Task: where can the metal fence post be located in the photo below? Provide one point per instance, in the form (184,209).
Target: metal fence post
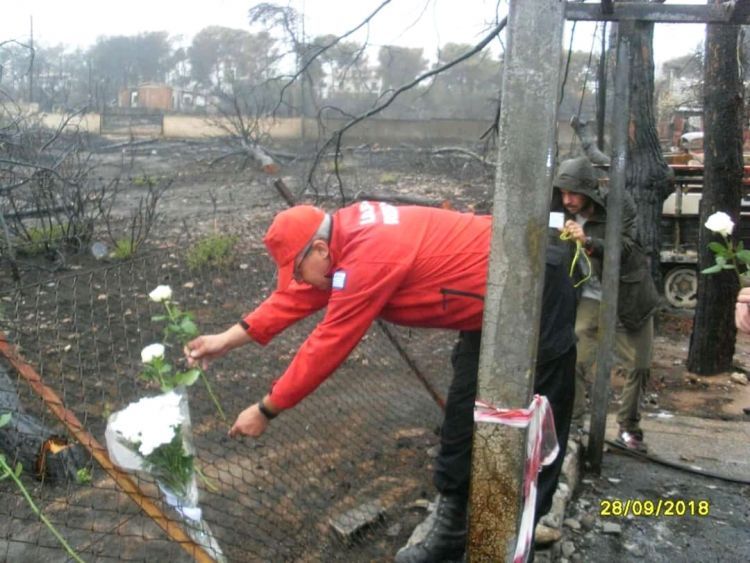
(613,245)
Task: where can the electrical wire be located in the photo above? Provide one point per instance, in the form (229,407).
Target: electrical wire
(674,465)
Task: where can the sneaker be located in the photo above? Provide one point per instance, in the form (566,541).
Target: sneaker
(632,440)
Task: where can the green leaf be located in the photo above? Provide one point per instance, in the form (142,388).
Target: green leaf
(740,246)
(188,377)
(743,256)
(167,386)
(188,328)
(158,318)
(155,364)
(5,419)
(83,476)
(718,248)
(19,469)
(729,266)
(715,269)
(150,373)
(165,369)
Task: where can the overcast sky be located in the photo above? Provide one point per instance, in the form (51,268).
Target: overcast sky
(413,23)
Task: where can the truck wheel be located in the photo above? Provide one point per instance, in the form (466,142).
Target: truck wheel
(681,287)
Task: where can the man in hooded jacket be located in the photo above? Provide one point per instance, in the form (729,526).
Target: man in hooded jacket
(576,192)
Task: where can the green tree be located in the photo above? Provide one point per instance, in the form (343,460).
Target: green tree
(469,89)
(15,66)
(220,55)
(153,53)
(399,65)
(343,66)
(123,61)
(479,73)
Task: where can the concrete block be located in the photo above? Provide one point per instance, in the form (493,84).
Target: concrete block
(347,525)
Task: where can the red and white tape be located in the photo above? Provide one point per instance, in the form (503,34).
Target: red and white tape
(541,449)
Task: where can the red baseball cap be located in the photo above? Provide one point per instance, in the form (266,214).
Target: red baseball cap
(288,235)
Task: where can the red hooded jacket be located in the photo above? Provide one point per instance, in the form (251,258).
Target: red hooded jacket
(412,266)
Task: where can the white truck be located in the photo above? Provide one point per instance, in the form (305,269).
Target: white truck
(680,226)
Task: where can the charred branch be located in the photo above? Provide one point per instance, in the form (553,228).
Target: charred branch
(246,131)
(336,138)
(265,12)
(583,130)
(284,192)
(657,13)
(140,221)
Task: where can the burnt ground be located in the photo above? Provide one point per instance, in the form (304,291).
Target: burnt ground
(348,458)
(699,438)
(689,531)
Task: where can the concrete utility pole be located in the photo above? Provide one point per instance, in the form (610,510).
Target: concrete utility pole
(512,306)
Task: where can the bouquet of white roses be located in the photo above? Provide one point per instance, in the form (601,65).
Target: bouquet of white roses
(153,435)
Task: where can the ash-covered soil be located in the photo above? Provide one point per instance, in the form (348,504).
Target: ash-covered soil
(366,435)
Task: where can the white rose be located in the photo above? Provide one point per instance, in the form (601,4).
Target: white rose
(161,293)
(156,436)
(720,223)
(151,352)
(150,422)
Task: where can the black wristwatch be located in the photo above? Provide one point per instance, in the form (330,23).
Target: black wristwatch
(264,410)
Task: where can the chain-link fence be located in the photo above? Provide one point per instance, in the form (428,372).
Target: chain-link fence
(329,480)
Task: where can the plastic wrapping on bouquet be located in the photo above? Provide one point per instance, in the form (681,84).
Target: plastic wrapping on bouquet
(180,493)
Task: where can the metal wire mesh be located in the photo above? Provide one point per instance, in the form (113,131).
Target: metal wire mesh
(354,450)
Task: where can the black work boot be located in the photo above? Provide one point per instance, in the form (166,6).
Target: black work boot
(446,539)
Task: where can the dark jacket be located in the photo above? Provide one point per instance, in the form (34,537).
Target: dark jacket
(557,325)
(638,298)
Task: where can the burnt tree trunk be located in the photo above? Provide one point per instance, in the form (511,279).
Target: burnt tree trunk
(29,441)
(713,337)
(647,173)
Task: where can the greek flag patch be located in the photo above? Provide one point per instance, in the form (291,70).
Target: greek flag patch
(339,280)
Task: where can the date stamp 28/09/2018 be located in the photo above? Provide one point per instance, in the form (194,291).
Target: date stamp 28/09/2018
(621,508)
